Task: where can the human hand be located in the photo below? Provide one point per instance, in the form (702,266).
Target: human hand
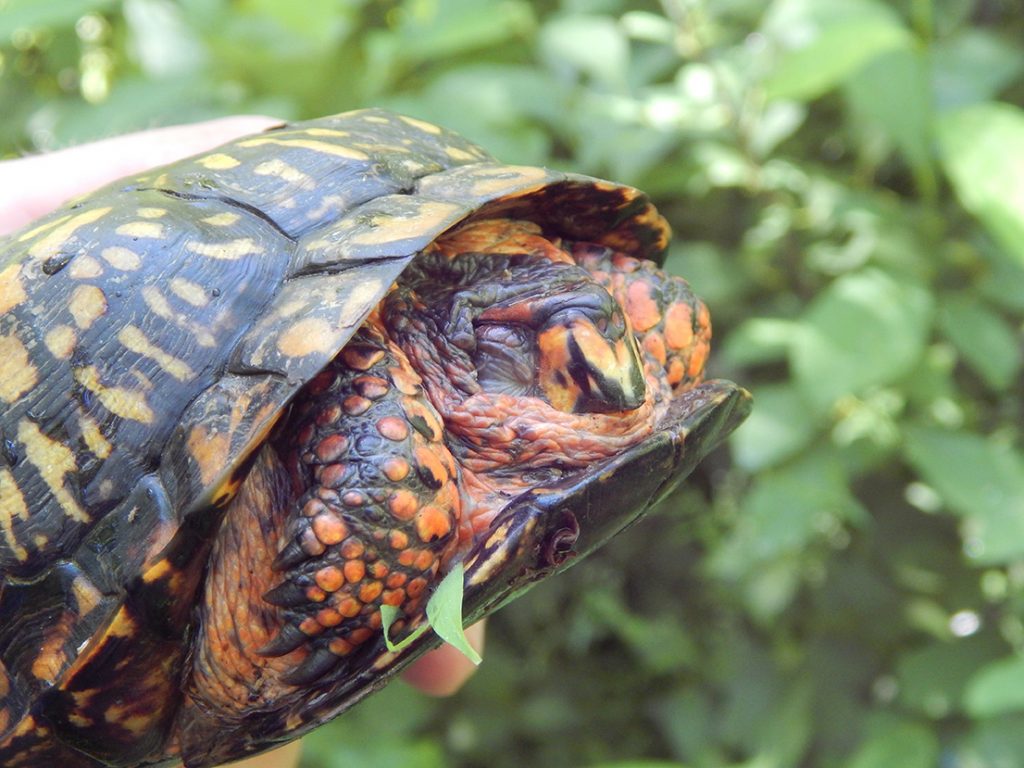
(32,186)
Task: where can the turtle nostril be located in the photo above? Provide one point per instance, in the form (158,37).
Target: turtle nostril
(558,547)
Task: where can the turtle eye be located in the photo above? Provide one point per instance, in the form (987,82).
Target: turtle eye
(587,365)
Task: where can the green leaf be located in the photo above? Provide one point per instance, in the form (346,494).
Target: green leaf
(996,688)
(444,611)
(35,14)
(979,479)
(444,615)
(973,66)
(777,429)
(891,94)
(866,329)
(932,679)
(891,742)
(983,338)
(594,45)
(823,44)
(982,150)
(388,615)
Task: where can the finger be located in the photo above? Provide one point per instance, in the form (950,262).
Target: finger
(32,186)
(444,670)
(285,757)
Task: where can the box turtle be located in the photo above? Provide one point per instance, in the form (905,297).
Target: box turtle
(250,397)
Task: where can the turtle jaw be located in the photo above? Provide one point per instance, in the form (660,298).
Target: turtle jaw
(545,530)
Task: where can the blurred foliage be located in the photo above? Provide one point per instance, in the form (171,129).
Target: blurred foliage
(843,585)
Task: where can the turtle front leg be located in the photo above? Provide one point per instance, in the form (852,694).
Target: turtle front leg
(355,505)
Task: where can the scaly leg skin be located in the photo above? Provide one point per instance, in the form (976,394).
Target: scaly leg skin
(502,361)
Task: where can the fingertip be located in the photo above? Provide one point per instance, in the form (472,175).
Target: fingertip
(445,670)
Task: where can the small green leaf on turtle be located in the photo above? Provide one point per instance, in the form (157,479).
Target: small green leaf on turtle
(444,612)
(388,614)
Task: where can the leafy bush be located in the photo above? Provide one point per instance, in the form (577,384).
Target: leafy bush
(843,585)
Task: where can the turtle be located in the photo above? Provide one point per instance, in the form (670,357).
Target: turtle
(251,398)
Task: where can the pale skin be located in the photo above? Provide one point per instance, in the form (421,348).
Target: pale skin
(32,186)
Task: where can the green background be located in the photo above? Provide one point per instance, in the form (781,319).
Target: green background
(843,584)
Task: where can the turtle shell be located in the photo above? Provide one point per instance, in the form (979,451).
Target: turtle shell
(153,332)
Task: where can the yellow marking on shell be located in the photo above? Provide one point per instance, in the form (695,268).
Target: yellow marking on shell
(225,219)
(121,258)
(12,292)
(79,720)
(458,154)
(12,505)
(53,460)
(282,170)
(430,214)
(120,401)
(381,148)
(152,230)
(19,373)
(157,302)
(421,124)
(123,625)
(483,572)
(189,292)
(134,339)
(218,162)
(43,227)
(364,293)
(505,177)
(152,213)
(59,235)
(86,595)
(209,451)
(311,144)
(379,119)
(229,250)
(87,304)
(307,336)
(93,437)
(61,340)
(326,132)
(84,267)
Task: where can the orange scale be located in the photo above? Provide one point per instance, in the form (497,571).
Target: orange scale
(398,540)
(654,345)
(329,579)
(360,635)
(353,499)
(311,627)
(328,617)
(424,560)
(432,523)
(355,405)
(331,448)
(310,544)
(352,548)
(329,528)
(354,571)
(328,415)
(379,569)
(396,580)
(407,557)
(393,428)
(405,380)
(641,306)
(403,504)
(675,371)
(415,410)
(393,597)
(349,607)
(340,647)
(370,591)
(361,358)
(395,468)
(315,594)
(334,475)
(372,387)
(428,464)
(416,587)
(679,326)
(374,621)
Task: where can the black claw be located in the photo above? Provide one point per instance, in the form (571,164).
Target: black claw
(288,594)
(290,556)
(288,639)
(313,667)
